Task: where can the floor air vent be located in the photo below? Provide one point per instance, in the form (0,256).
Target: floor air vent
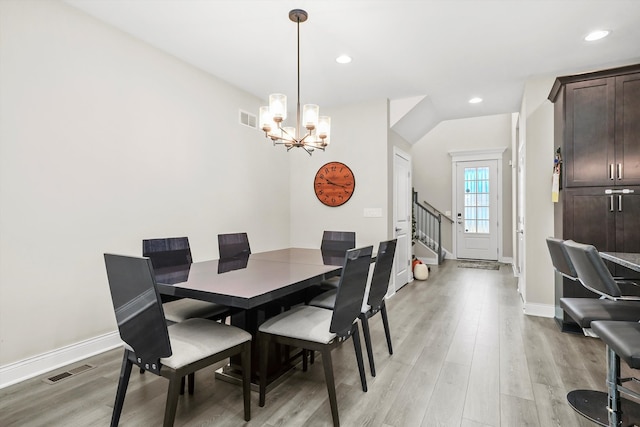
(68,374)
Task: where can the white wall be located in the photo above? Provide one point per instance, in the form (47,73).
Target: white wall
(359,140)
(105,141)
(432,165)
(537,115)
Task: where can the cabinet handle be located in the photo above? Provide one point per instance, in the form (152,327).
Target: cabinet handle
(610,203)
(611,171)
(620,203)
(619,170)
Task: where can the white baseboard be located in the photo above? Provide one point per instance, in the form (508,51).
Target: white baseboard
(38,365)
(540,310)
(428,261)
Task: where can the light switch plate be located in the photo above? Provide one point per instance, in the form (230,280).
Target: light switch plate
(372,212)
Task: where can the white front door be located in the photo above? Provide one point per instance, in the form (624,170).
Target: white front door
(477,209)
(402,217)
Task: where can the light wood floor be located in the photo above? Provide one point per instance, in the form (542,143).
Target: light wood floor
(464,355)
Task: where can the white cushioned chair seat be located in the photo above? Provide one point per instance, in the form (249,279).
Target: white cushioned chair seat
(180,310)
(195,339)
(302,322)
(325,300)
(328,300)
(331,282)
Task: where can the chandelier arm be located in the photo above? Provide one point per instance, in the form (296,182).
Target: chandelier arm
(316,146)
(292,136)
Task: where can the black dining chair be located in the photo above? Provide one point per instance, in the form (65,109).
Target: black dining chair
(322,330)
(233,245)
(334,245)
(172,252)
(173,351)
(375,298)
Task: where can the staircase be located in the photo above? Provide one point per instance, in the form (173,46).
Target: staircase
(427,229)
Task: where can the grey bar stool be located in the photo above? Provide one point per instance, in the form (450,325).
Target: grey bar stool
(623,342)
(593,274)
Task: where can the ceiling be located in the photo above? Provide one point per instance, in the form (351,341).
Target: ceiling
(429,57)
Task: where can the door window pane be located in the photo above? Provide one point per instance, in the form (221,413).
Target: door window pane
(476,200)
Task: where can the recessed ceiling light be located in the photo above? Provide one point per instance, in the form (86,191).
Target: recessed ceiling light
(475,100)
(596,35)
(343,59)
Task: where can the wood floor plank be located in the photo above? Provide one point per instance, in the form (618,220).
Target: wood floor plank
(482,400)
(553,410)
(514,370)
(447,400)
(515,411)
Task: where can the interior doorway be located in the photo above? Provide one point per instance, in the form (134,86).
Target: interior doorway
(402,218)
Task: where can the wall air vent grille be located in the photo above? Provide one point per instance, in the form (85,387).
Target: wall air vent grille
(248,119)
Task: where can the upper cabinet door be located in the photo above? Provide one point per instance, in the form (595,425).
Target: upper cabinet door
(627,132)
(589,154)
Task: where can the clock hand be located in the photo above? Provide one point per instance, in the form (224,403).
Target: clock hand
(333,183)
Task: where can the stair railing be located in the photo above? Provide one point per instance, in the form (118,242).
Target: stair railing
(427,227)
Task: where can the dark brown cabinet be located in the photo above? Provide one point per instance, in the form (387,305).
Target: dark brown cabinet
(597,128)
(601,130)
(607,218)
(627,129)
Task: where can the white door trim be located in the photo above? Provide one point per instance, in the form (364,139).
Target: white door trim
(470,156)
(394,286)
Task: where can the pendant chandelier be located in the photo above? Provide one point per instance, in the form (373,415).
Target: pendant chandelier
(311,131)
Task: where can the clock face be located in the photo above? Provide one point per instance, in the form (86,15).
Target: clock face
(334,184)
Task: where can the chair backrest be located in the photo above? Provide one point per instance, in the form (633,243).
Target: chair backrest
(338,241)
(167,252)
(381,273)
(350,293)
(230,264)
(233,245)
(560,258)
(138,308)
(591,269)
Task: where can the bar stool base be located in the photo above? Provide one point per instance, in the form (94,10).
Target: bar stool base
(592,405)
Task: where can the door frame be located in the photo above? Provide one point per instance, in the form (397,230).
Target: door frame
(400,153)
(520,209)
(471,156)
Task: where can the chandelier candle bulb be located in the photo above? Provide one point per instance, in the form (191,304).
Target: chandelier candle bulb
(324,126)
(266,119)
(278,106)
(310,116)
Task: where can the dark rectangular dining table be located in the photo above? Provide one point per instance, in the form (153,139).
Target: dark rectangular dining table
(248,282)
(254,285)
